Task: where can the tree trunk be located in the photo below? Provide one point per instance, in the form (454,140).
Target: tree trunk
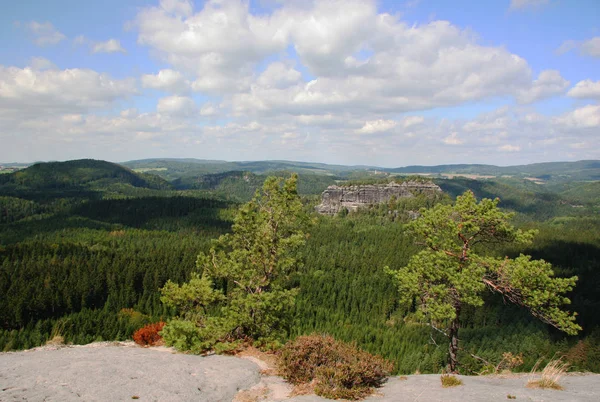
(453,349)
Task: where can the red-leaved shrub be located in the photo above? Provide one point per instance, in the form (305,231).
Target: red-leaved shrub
(149,335)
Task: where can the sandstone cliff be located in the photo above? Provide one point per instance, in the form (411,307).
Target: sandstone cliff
(334,198)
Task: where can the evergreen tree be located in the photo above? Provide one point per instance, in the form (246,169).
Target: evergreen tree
(452,272)
(253,263)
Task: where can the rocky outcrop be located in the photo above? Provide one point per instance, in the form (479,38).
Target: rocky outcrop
(334,198)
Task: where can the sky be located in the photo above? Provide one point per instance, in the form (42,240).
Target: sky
(384,83)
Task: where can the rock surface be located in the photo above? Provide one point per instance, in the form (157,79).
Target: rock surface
(334,198)
(111,371)
(104,372)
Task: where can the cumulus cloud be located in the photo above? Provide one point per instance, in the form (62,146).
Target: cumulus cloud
(377,126)
(453,139)
(360,58)
(412,121)
(182,8)
(208,110)
(548,84)
(220,43)
(279,75)
(509,148)
(585,117)
(166,80)
(181,106)
(33,91)
(109,46)
(586,89)
(589,47)
(44,33)
(306,81)
(408,68)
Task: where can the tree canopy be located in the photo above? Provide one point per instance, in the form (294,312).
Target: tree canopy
(453,270)
(252,264)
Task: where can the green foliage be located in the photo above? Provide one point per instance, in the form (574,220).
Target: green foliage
(452,271)
(340,370)
(86,261)
(185,335)
(253,262)
(78,174)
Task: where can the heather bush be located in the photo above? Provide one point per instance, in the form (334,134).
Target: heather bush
(149,335)
(337,369)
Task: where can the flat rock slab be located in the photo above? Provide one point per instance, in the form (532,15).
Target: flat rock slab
(120,373)
(427,388)
(107,372)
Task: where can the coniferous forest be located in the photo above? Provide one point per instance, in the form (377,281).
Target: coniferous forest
(86,245)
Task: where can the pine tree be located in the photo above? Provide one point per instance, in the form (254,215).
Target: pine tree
(452,272)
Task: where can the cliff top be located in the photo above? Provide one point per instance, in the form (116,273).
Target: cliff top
(111,371)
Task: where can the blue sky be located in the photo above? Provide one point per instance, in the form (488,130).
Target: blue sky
(388,83)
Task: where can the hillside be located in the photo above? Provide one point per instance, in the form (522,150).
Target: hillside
(171,169)
(76,175)
(85,246)
(555,172)
(548,172)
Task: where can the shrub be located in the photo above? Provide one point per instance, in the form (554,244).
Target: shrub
(149,335)
(337,369)
(449,380)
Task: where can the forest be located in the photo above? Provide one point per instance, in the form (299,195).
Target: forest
(86,245)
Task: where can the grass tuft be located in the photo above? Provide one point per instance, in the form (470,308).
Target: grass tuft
(549,376)
(449,380)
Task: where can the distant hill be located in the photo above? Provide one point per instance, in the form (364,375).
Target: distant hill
(172,169)
(551,172)
(77,175)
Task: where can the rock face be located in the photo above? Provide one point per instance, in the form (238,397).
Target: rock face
(334,198)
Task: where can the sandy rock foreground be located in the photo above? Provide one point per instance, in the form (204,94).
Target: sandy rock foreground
(112,371)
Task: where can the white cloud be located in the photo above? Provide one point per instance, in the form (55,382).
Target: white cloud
(279,75)
(589,47)
(219,44)
(523,4)
(30,91)
(409,68)
(453,139)
(208,110)
(377,126)
(585,117)
(548,84)
(181,106)
(412,121)
(586,89)
(109,46)
(166,80)
(44,33)
(509,148)
(180,8)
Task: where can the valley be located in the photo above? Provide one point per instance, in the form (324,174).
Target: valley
(85,245)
